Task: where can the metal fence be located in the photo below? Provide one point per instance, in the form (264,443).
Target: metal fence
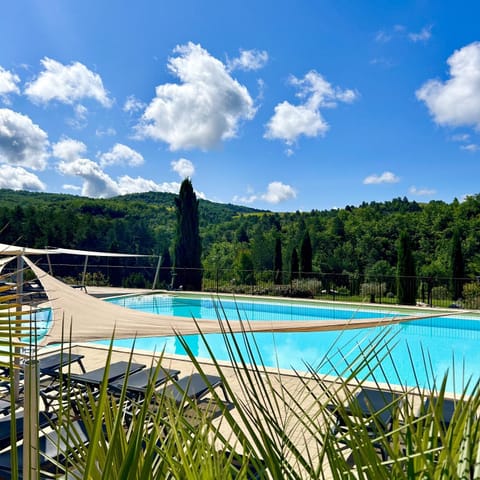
(428,291)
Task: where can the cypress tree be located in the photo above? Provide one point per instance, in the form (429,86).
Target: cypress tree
(457,267)
(306,255)
(294,265)
(406,280)
(188,246)
(277,262)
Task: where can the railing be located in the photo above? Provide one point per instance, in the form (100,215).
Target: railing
(428,291)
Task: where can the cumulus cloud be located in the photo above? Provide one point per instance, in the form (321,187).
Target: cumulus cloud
(128,184)
(121,155)
(249,60)
(277,192)
(290,121)
(421,192)
(385,177)
(105,132)
(66,84)
(8,83)
(95,182)
(456,101)
(17,178)
(22,142)
(68,149)
(74,188)
(183,167)
(202,110)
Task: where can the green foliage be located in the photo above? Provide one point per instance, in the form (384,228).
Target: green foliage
(471,295)
(277,263)
(306,255)
(244,268)
(457,267)
(188,245)
(294,265)
(406,281)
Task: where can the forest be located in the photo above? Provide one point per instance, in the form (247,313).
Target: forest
(246,245)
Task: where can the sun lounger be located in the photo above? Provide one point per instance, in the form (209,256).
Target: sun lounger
(5,406)
(137,383)
(374,409)
(193,388)
(44,419)
(51,446)
(53,363)
(92,379)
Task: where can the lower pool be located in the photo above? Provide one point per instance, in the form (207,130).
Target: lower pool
(422,351)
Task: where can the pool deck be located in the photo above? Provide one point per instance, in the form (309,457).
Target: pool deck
(280,380)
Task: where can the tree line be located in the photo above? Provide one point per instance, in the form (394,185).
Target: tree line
(248,244)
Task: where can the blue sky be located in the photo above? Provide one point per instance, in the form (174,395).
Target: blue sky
(278,105)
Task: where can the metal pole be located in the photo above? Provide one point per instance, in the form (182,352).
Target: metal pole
(18,333)
(154,284)
(84,272)
(30,420)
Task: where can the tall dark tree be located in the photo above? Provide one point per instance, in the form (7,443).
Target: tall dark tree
(294,265)
(457,267)
(406,280)
(188,246)
(306,255)
(278,263)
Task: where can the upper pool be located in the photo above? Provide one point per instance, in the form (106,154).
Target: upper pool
(434,346)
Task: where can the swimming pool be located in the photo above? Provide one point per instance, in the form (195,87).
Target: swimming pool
(435,346)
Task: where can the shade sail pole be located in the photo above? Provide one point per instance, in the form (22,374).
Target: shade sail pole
(84,271)
(18,333)
(157,271)
(30,420)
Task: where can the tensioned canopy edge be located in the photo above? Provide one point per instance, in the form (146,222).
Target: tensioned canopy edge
(6,249)
(78,317)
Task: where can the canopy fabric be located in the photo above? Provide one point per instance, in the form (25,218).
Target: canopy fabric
(6,249)
(78,317)
(4,261)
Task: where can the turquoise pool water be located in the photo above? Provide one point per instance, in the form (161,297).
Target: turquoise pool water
(435,346)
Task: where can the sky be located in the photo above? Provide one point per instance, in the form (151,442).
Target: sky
(280,105)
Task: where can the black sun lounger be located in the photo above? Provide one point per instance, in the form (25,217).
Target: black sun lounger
(51,364)
(194,387)
(91,379)
(137,383)
(56,445)
(44,419)
(94,378)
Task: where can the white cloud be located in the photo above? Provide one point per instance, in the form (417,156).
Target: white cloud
(382,36)
(133,104)
(74,188)
(421,192)
(68,149)
(8,83)
(128,184)
(66,84)
(105,132)
(456,101)
(183,167)
(22,143)
(97,183)
(290,121)
(471,147)
(121,155)
(385,177)
(422,36)
(276,192)
(17,178)
(461,137)
(205,108)
(249,60)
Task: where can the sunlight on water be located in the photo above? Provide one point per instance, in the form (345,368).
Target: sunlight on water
(437,345)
